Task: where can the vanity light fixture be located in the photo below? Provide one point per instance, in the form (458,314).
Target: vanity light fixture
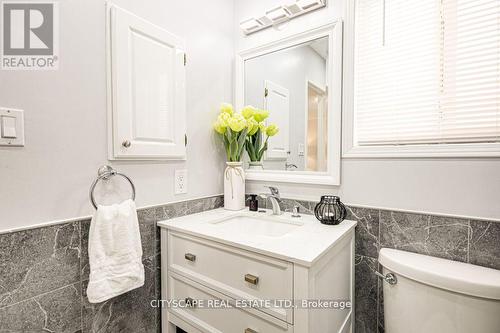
(306,4)
(280,14)
(250,25)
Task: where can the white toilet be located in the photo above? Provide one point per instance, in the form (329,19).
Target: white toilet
(435,295)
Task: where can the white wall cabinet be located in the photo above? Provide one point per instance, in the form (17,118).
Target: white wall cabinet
(146,89)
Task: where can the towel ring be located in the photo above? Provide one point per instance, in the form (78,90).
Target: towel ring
(105,172)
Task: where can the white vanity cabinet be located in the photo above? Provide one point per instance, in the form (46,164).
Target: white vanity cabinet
(216,275)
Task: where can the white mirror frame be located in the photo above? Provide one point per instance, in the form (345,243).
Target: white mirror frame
(333,31)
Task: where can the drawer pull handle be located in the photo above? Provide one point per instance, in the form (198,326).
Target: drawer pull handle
(249,330)
(190,302)
(190,257)
(251,279)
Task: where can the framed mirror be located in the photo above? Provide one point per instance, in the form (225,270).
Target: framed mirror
(298,80)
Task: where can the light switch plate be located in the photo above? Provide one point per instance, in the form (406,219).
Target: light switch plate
(6,133)
(180,181)
(8,130)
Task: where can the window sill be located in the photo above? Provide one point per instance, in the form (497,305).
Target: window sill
(483,150)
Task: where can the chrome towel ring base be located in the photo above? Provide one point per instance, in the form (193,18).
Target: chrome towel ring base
(105,172)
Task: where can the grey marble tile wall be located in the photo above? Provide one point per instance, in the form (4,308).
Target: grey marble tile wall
(44,271)
(465,240)
(44,274)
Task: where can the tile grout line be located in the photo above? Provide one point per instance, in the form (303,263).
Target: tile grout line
(378,269)
(469,236)
(81,277)
(39,295)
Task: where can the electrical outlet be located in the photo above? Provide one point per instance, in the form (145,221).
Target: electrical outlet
(180,182)
(301,149)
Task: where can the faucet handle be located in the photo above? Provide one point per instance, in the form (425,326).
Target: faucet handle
(274,191)
(295,211)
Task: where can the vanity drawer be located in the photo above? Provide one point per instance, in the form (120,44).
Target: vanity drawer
(206,318)
(237,273)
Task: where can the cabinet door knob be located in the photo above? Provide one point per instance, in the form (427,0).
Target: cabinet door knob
(190,302)
(190,257)
(126,143)
(251,279)
(249,330)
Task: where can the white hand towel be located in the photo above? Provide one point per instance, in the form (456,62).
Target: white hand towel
(115,252)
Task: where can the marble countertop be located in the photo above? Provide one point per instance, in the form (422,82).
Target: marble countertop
(303,245)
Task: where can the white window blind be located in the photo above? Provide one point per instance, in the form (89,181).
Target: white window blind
(427,71)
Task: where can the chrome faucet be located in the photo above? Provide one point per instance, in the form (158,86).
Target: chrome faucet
(275,199)
(290,166)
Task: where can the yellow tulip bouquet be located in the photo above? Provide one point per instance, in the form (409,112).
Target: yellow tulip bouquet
(255,146)
(244,130)
(233,129)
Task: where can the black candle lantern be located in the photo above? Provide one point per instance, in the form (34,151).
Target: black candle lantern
(330,210)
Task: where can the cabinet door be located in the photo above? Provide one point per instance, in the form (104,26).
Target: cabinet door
(147,69)
(277,102)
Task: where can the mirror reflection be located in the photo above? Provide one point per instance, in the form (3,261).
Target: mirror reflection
(291,85)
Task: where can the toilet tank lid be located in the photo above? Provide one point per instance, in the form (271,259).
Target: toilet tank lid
(446,274)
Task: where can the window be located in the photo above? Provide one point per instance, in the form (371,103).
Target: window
(426,74)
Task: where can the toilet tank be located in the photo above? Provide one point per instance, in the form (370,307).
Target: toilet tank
(434,295)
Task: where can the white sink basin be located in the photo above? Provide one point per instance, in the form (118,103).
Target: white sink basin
(261,226)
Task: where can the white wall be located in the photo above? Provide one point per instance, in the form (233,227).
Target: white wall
(65,113)
(290,69)
(468,187)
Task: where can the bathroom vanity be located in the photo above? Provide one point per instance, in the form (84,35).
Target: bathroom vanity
(248,272)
